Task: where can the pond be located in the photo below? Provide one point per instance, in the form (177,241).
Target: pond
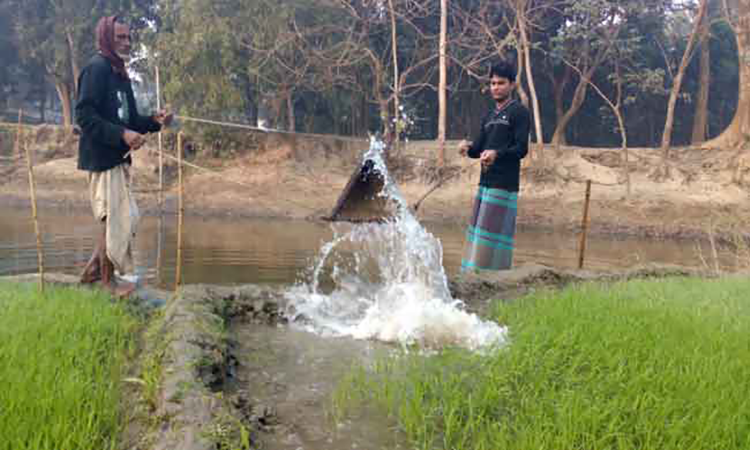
(281,252)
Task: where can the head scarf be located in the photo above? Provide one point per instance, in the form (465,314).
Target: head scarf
(105,40)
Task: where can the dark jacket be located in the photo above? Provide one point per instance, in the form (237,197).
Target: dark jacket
(507,131)
(105,107)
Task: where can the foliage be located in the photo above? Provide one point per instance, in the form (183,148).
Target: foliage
(327,65)
(199,58)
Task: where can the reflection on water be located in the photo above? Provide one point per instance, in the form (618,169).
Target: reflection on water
(222,250)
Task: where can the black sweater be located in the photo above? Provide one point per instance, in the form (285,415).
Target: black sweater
(105,107)
(506,131)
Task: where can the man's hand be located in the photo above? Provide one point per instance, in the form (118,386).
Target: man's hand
(463,147)
(487,158)
(164,117)
(133,140)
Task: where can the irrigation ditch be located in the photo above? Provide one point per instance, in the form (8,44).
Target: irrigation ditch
(199,406)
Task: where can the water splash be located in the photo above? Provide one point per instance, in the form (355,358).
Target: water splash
(386,281)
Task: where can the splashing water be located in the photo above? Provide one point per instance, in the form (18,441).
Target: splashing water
(388,284)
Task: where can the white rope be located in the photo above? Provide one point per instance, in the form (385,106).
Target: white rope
(214,172)
(262,130)
(218,173)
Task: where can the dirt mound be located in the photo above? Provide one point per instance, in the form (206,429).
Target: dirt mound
(479,289)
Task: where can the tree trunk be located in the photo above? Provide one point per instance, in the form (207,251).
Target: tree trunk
(396,84)
(700,122)
(578,97)
(291,119)
(43,105)
(73,61)
(442,84)
(519,75)
(63,93)
(735,133)
(365,120)
(624,146)
(666,139)
(559,95)
(529,74)
(385,115)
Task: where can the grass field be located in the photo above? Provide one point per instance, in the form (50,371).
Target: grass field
(61,360)
(661,364)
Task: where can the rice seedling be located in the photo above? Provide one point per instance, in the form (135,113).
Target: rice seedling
(635,365)
(62,354)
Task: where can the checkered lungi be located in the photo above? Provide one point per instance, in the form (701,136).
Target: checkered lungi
(491,233)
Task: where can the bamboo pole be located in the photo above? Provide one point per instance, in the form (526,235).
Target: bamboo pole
(159,245)
(584,226)
(161,153)
(17,145)
(180,212)
(32,189)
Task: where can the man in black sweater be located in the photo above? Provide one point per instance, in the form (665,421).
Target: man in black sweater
(500,145)
(111,128)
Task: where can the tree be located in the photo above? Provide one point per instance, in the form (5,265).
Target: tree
(199,59)
(522,8)
(365,53)
(677,85)
(737,14)
(58,35)
(625,75)
(700,119)
(8,54)
(586,40)
(443,83)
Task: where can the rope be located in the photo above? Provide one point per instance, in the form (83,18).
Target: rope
(242,126)
(218,173)
(211,171)
(263,130)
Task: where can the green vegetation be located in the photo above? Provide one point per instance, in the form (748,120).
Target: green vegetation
(62,357)
(327,66)
(635,365)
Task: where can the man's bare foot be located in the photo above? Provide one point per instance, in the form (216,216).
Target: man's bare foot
(91,277)
(91,273)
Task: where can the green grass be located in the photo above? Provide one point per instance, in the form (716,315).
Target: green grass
(61,361)
(637,365)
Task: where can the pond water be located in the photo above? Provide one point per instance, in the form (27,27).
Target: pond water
(224,250)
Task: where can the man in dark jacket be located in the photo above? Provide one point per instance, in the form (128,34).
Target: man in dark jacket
(500,145)
(111,128)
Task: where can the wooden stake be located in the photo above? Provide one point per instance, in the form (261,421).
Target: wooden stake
(584,226)
(17,145)
(161,157)
(180,212)
(159,238)
(32,189)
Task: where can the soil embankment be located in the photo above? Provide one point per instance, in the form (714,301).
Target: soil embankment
(302,176)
